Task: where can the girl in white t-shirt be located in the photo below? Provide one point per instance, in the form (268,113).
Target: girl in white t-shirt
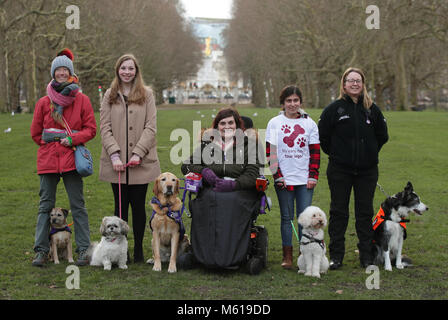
(293,153)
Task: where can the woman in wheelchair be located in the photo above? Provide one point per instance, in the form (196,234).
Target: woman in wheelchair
(227,159)
(228,203)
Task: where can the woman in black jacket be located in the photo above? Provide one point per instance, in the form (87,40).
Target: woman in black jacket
(352,131)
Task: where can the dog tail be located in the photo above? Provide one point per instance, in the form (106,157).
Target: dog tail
(90,250)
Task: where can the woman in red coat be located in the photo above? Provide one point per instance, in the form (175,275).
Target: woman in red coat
(55,156)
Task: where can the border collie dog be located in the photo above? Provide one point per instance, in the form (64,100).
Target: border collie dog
(389,226)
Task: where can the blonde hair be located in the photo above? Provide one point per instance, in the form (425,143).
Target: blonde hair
(138,93)
(367,100)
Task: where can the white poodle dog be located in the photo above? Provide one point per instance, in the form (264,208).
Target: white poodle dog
(113,247)
(312,260)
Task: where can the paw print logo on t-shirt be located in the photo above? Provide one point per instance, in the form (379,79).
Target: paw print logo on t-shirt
(301,142)
(286,129)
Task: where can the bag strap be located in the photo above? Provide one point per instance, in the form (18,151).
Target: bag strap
(67,127)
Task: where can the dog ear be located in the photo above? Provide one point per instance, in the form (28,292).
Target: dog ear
(103,226)
(124,227)
(155,190)
(176,189)
(409,188)
(302,220)
(324,218)
(65,212)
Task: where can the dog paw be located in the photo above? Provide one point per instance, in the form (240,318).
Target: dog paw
(400,266)
(388,268)
(56,261)
(301,271)
(124,267)
(157,267)
(150,261)
(108,268)
(71,261)
(172,270)
(308,274)
(316,275)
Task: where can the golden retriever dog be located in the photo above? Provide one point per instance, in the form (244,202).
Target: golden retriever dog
(60,236)
(166,223)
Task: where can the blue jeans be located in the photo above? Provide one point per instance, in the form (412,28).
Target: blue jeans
(303,198)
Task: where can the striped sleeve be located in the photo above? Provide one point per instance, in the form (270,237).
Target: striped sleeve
(314,161)
(271,155)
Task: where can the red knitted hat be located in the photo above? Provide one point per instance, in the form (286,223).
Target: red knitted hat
(68,53)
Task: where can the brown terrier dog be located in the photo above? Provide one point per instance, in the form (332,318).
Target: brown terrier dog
(60,236)
(166,223)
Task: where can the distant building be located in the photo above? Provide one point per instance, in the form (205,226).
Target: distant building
(212,81)
(213,72)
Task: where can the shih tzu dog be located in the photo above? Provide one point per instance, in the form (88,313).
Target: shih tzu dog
(312,260)
(113,246)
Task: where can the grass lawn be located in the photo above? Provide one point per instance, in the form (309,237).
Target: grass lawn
(417,151)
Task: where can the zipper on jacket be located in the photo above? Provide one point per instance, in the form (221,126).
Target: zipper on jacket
(357,146)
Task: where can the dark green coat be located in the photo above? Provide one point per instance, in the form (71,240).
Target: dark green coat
(240,162)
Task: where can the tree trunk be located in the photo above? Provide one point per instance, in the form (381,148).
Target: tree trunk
(258,91)
(401,94)
(2,73)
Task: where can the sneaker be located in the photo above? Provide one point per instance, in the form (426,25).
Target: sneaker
(335,264)
(83,259)
(40,259)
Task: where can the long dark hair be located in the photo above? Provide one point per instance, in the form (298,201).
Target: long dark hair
(289,91)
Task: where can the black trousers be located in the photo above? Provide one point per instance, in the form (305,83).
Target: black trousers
(341,181)
(135,196)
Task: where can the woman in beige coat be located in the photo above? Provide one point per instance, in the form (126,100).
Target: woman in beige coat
(128,136)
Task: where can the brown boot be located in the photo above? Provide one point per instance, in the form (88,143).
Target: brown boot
(287,257)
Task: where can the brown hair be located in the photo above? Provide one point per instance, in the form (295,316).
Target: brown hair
(138,93)
(228,112)
(289,91)
(367,100)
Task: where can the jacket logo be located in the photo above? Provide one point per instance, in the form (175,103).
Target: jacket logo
(344,117)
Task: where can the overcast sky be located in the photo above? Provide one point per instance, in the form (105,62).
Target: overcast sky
(220,9)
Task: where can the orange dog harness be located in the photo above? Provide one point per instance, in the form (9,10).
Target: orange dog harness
(379,219)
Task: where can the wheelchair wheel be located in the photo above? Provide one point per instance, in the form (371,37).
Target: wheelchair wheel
(254,266)
(262,245)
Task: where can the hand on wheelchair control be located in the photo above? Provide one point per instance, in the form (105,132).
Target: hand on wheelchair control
(209,176)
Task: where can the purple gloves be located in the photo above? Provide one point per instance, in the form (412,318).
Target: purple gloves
(222,185)
(209,176)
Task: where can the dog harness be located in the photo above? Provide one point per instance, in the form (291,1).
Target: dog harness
(56,230)
(379,219)
(312,239)
(175,215)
